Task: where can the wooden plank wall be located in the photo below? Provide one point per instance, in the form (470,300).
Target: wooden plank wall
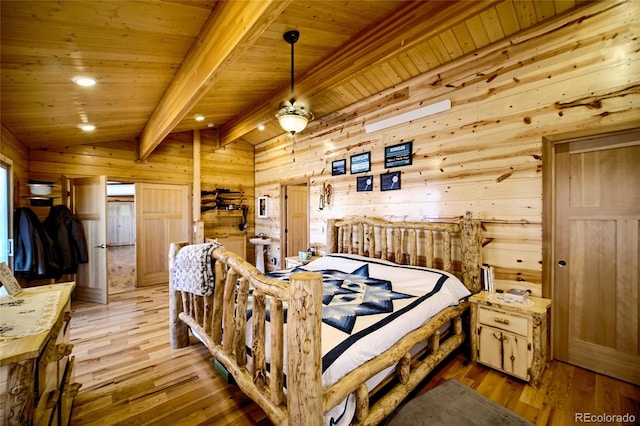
(580,72)
(171,162)
(13,149)
(228,167)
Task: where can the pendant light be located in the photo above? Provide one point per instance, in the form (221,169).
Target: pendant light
(292,115)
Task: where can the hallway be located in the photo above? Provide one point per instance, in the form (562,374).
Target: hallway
(121,268)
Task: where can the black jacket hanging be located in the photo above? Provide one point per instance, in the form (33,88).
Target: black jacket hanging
(35,255)
(67,233)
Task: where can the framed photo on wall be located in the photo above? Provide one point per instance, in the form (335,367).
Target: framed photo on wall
(390,181)
(338,167)
(364,183)
(361,163)
(398,155)
(263,207)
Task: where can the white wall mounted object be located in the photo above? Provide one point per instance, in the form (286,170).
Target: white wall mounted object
(409,116)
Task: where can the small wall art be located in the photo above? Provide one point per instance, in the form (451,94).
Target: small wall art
(390,181)
(365,183)
(398,155)
(360,163)
(263,207)
(338,167)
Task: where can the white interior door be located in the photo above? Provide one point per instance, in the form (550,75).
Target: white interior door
(89,198)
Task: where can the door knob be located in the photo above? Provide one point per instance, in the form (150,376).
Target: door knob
(101,246)
(562,263)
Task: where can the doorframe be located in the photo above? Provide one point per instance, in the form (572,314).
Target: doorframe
(7,164)
(283,213)
(135,256)
(550,144)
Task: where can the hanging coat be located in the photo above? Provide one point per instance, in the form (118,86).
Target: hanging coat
(67,233)
(34,251)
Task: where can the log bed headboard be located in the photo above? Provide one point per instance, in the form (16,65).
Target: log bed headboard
(454,247)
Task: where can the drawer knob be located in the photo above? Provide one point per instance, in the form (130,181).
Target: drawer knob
(501,320)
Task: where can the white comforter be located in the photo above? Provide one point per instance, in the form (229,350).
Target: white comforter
(368,305)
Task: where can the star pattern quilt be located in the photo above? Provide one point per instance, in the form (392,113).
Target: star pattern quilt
(368,305)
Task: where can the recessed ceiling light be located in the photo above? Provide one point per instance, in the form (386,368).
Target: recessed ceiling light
(84,81)
(199,117)
(261,127)
(87,127)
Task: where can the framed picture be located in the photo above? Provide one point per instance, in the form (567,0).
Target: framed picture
(263,207)
(338,167)
(398,155)
(361,163)
(365,183)
(390,181)
(8,280)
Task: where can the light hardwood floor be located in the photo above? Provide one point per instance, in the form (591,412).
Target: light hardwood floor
(130,376)
(121,268)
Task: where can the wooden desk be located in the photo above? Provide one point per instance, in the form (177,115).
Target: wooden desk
(36,371)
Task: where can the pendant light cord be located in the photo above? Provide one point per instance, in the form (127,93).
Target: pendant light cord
(291,37)
(292,74)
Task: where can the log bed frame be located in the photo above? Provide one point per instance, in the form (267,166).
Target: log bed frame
(453,246)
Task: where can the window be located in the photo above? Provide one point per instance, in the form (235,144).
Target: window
(5,208)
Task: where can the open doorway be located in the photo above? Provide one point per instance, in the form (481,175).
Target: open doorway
(121,237)
(295,219)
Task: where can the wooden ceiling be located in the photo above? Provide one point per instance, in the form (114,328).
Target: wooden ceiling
(161,63)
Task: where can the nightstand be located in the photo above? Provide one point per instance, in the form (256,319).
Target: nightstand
(512,338)
(292,262)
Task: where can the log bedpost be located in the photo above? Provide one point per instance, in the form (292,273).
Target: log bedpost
(304,351)
(178,330)
(471,253)
(332,237)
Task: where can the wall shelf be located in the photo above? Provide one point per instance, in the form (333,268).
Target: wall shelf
(222,202)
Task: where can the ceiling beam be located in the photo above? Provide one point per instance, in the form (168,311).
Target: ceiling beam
(232,27)
(409,24)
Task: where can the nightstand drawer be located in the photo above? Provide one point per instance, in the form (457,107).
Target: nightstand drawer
(505,321)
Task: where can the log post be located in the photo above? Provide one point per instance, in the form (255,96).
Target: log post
(19,399)
(446,251)
(371,232)
(332,237)
(413,247)
(429,248)
(396,245)
(304,350)
(383,243)
(471,253)
(178,331)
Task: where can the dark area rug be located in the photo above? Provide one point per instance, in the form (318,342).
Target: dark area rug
(452,403)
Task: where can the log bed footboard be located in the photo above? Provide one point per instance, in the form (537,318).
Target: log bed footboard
(306,400)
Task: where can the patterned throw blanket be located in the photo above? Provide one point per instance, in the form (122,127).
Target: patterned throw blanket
(193,270)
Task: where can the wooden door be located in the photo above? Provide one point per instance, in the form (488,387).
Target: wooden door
(490,347)
(297,211)
(596,240)
(516,356)
(89,203)
(121,223)
(163,215)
